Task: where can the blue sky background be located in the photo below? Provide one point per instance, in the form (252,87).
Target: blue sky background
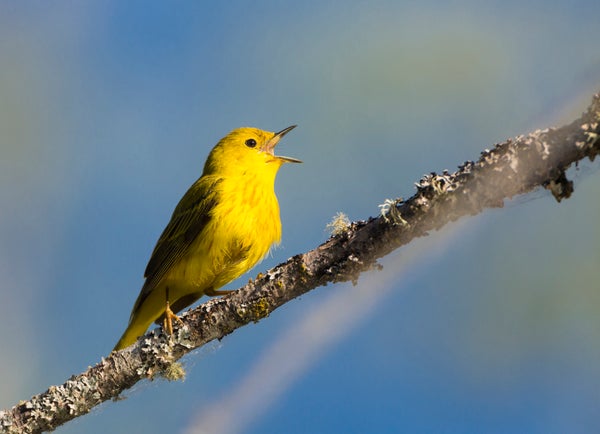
(108,110)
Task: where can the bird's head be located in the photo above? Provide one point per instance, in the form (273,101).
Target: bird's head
(247,149)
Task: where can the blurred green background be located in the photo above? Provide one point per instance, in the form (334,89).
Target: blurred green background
(108,110)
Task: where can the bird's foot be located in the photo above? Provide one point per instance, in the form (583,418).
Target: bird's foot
(214,292)
(168,321)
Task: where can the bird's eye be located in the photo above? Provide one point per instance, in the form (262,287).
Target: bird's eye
(251,143)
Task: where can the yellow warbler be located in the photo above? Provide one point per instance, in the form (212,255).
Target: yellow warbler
(225,223)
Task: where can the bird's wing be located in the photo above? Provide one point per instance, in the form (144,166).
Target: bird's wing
(190,217)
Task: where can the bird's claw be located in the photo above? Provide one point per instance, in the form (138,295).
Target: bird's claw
(168,321)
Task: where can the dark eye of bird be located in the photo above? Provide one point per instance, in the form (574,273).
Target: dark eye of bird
(251,143)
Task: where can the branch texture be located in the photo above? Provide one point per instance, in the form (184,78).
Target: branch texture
(516,166)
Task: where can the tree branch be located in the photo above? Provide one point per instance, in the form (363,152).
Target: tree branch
(517,166)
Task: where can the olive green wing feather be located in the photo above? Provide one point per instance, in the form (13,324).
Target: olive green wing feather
(190,217)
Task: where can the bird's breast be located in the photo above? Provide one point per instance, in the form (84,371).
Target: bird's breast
(249,211)
(244,225)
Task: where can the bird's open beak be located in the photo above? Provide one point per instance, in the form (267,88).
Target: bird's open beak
(270,145)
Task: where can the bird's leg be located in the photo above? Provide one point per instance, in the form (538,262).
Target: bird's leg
(169,316)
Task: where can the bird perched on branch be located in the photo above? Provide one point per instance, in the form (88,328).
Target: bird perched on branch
(224,224)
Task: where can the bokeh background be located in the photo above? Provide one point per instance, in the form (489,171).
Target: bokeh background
(108,110)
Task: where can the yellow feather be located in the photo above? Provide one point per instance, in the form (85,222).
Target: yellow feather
(223,226)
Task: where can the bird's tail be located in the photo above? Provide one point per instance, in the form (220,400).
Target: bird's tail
(133,331)
(146,310)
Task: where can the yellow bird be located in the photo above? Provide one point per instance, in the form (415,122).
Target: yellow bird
(225,223)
